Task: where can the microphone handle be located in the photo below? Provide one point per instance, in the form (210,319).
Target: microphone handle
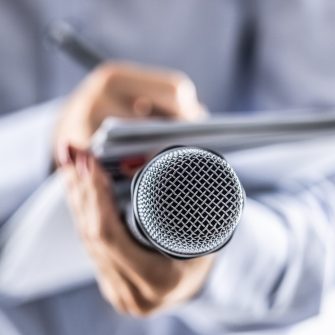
(133,227)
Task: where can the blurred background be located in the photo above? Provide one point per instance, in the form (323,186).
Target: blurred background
(285,48)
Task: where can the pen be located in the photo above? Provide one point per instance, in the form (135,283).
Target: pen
(65,37)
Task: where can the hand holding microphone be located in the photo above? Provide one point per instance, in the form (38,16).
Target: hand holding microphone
(134,279)
(138,280)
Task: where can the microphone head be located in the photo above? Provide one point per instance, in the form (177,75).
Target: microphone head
(187,202)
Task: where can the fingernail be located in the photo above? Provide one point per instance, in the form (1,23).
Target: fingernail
(83,164)
(63,154)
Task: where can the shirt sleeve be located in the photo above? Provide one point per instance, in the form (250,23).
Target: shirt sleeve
(280,263)
(25,151)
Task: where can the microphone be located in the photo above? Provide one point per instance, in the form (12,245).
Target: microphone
(186,202)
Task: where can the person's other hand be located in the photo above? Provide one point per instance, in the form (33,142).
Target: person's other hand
(127,91)
(135,280)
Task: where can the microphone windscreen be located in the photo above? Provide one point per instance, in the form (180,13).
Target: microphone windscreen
(187,202)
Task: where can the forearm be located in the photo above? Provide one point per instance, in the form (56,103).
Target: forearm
(279,264)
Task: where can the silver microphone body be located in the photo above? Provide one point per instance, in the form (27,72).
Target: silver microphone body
(186,202)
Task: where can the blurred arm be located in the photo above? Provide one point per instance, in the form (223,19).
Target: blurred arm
(279,264)
(25,151)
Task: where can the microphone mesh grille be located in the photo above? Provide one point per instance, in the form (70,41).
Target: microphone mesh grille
(189,201)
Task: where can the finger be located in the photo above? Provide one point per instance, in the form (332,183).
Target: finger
(142,106)
(138,304)
(165,93)
(73,166)
(117,287)
(101,226)
(112,286)
(87,197)
(104,234)
(171,93)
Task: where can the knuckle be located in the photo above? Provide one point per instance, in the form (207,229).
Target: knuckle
(160,284)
